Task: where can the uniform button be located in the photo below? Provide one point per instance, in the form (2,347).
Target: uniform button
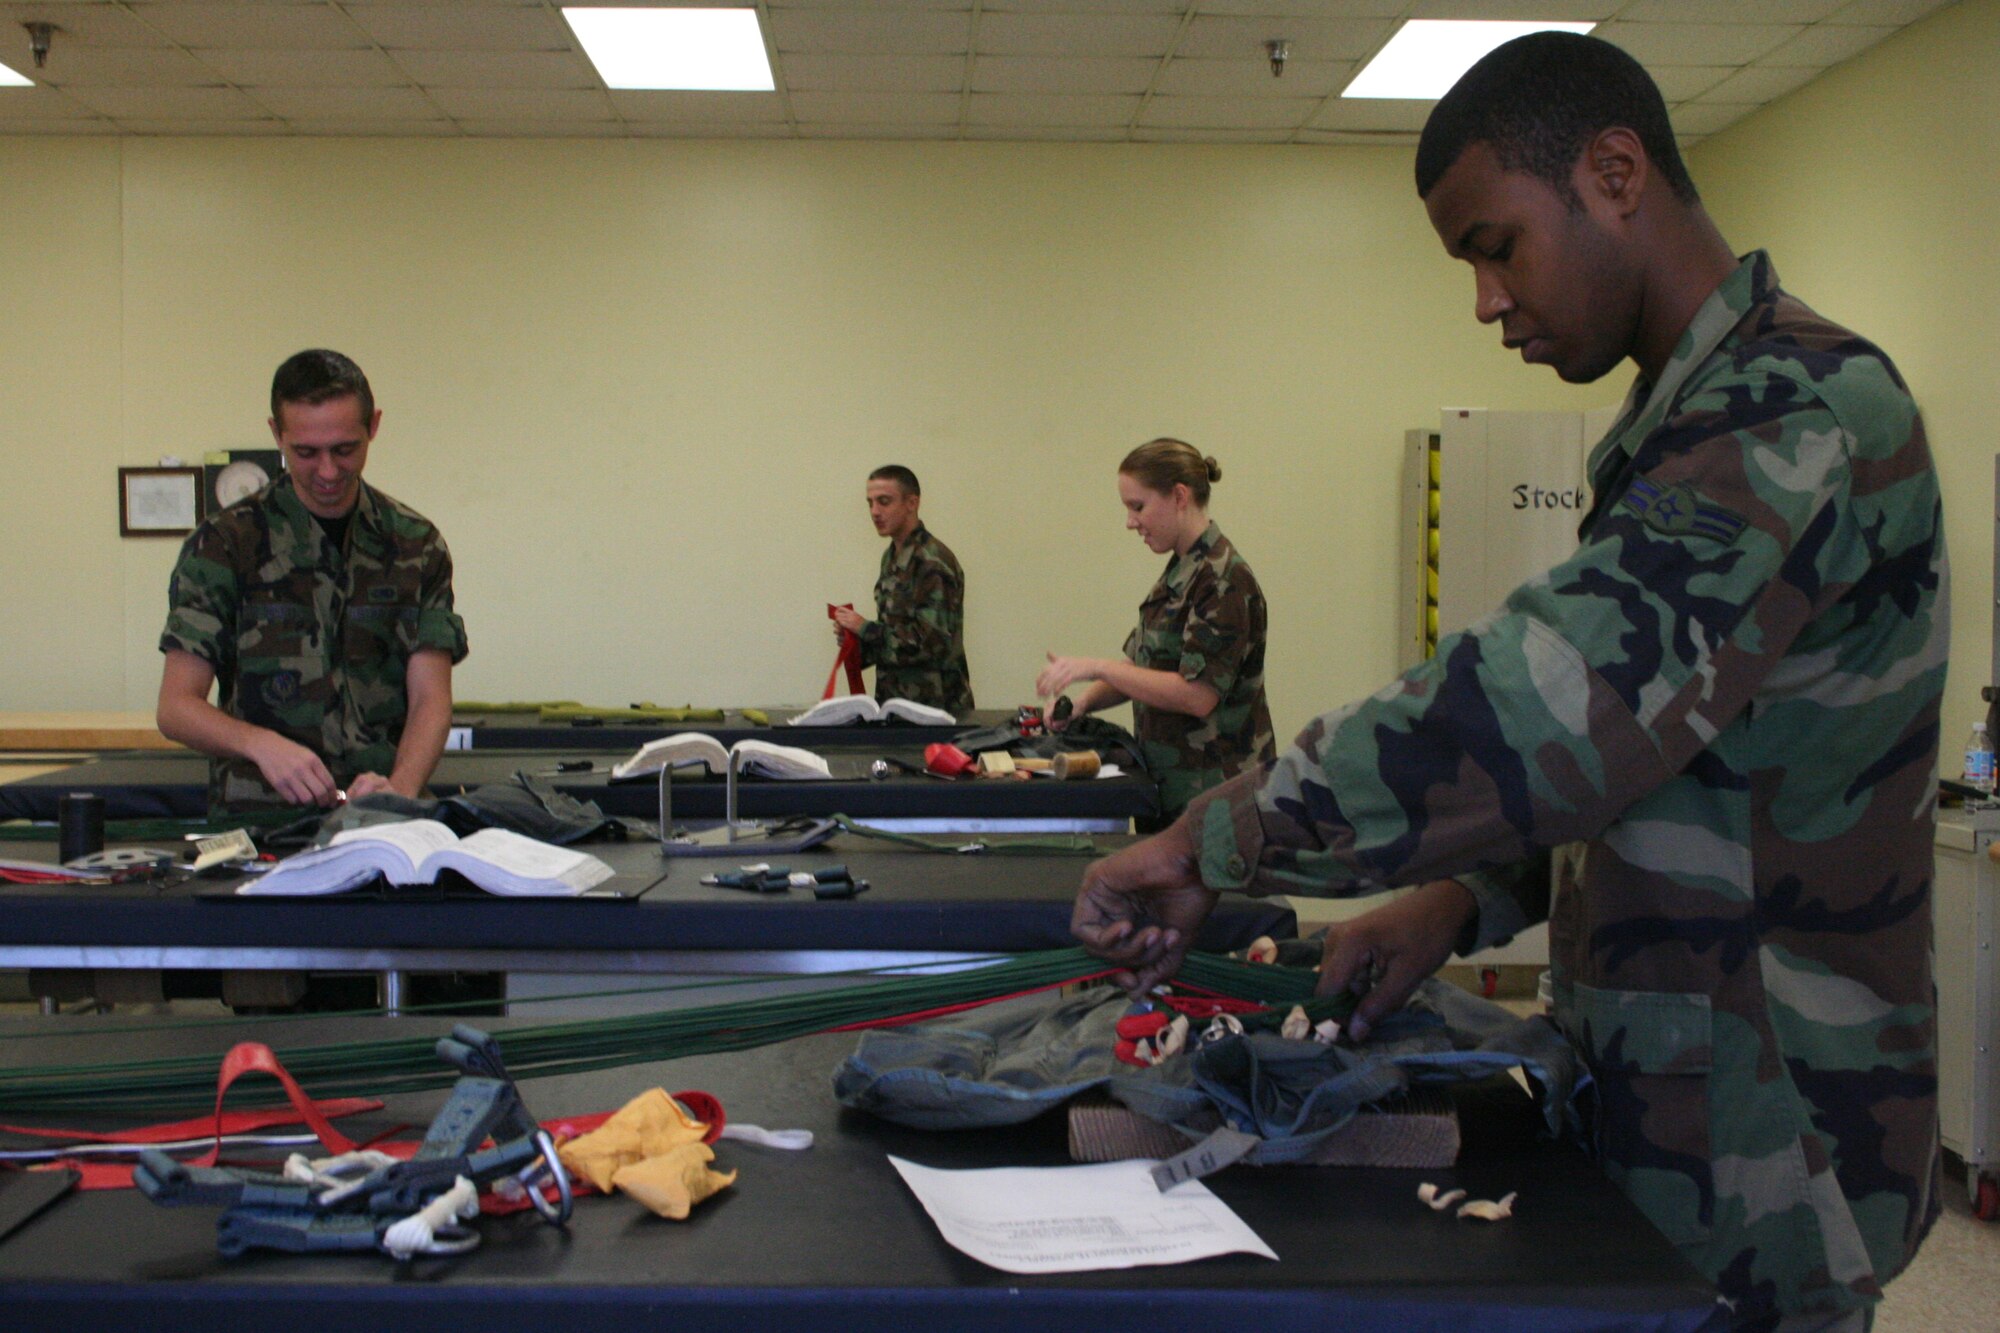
(1236,866)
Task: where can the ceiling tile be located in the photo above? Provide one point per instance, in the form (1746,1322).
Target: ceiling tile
(1311,39)
(1761,83)
(1373,113)
(1657,44)
(56,126)
(536,128)
(836,130)
(1228,113)
(1826,44)
(1363,138)
(1708,117)
(524,104)
(1047,133)
(1329,9)
(1192,134)
(1547,11)
(236,27)
(876,108)
(1252,78)
(82,25)
(364,128)
(1889,11)
(464,27)
(1729,11)
(1173,7)
(698,108)
(1063,74)
(38,104)
(180,126)
(1678,83)
(348,103)
(306,69)
(498,69)
(871,33)
(882,74)
(1073,34)
(662,129)
(168,103)
(1024,109)
(92,66)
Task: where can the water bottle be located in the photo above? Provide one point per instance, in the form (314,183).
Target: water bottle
(1979,759)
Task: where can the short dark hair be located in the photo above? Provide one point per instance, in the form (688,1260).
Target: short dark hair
(316,376)
(1537,102)
(899,474)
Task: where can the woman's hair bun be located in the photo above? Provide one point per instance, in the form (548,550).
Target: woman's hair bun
(1214,468)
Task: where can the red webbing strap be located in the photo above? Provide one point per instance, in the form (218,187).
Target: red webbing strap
(233,1122)
(247,1057)
(849,657)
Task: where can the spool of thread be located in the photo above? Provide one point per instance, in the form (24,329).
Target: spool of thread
(79,825)
(1074,764)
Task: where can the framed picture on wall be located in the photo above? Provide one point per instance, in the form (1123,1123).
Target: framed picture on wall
(235,474)
(159,501)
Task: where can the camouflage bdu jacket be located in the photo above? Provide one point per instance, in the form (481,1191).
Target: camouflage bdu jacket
(916,643)
(307,640)
(1205,620)
(1723,711)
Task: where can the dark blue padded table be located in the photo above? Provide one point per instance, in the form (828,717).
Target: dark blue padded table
(920,905)
(154,785)
(528,731)
(829,1238)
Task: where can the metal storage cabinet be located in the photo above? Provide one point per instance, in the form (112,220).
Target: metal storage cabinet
(1964,912)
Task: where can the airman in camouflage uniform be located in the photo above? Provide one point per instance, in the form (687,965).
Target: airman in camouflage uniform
(1719,719)
(916,643)
(1205,619)
(320,609)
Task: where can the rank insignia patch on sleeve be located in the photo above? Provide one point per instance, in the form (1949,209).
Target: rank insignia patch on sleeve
(1676,511)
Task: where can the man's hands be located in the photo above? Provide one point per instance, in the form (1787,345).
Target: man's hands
(294,772)
(367,784)
(847,618)
(1383,954)
(1139,908)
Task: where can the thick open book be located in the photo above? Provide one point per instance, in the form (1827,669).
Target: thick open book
(413,852)
(847,709)
(692,747)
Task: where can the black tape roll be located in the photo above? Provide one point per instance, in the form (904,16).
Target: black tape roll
(79,825)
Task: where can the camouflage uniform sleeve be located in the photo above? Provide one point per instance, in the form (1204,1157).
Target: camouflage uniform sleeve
(1223,625)
(1511,898)
(923,637)
(439,626)
(1592,685)
(202,600)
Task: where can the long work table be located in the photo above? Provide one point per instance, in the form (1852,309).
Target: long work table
(829,1238)
(174,786)
(920,906)
(531,731)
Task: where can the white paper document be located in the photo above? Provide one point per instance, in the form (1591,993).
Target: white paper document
(1072,1219)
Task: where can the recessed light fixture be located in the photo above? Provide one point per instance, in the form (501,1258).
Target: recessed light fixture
(10,79)
(711,50)
(1426,57)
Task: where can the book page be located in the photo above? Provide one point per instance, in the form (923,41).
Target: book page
(514,865)
(681,748)
(838,712)
(355,857)
(781,761)
(921,714)
(414,838)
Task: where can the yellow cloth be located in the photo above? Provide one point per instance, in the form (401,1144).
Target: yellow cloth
(651,1148)
(675,1181)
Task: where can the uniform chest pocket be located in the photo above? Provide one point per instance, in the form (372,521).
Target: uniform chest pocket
(271,627)
(1652,1054)
(387,625)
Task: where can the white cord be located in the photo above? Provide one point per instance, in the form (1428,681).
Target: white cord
(792,1140)
(417,1233)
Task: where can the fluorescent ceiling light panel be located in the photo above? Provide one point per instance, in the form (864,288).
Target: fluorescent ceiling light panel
(1426,57)
(10,79)
(711,50)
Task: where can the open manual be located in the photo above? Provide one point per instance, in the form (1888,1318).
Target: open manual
(848,709)
(692,747)
(415,851)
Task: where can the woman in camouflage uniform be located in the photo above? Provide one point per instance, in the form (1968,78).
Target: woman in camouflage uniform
(1194,667)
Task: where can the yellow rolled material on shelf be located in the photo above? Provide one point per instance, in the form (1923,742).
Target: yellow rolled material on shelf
(1072,765)
(1434,508)
(1437,467)
(1433,539)
(1431,622)
(1431,583)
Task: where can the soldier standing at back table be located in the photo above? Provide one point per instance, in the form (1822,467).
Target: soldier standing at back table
(1194,667)
(916,643)
(323,607)
(1720,716)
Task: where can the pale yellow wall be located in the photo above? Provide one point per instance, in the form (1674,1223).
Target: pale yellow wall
(1876,189)
(639,385)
